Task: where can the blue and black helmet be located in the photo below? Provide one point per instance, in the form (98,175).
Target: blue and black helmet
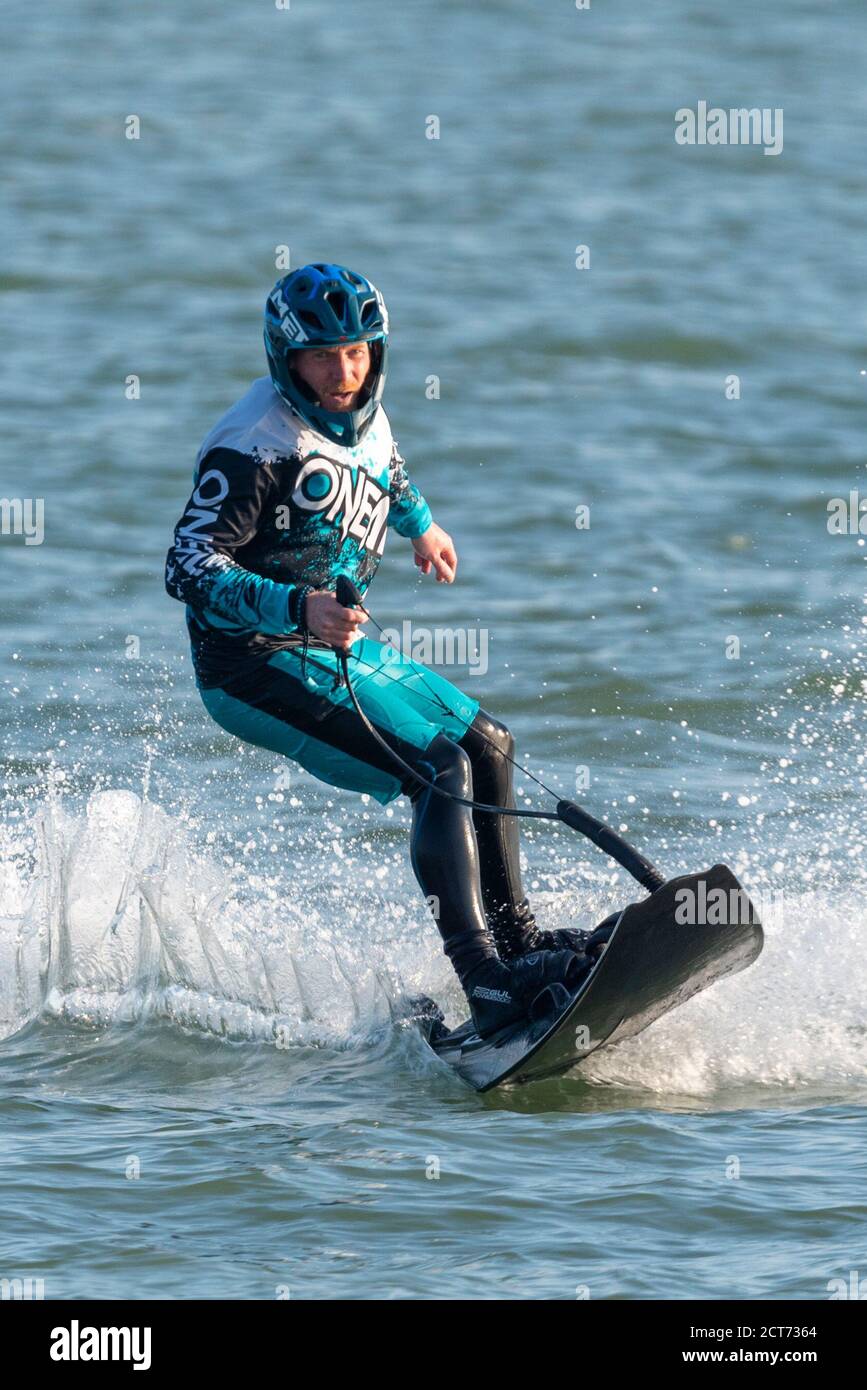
(320,306)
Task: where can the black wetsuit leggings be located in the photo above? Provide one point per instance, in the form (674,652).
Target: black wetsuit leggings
(466,860)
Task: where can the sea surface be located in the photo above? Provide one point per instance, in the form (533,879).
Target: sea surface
(204,1090)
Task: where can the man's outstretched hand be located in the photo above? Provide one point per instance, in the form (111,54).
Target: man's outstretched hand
(435,550)
(328,619)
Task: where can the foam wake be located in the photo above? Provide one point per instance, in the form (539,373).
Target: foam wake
(112,913)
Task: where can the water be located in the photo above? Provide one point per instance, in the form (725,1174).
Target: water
(203,1091)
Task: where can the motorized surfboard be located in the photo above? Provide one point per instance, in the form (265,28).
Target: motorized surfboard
(690,932)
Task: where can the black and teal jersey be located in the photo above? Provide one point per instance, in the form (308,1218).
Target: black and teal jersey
(275,506)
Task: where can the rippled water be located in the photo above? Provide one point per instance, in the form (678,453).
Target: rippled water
(203,1091)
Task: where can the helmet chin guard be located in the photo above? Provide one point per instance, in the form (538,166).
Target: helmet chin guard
(324,305)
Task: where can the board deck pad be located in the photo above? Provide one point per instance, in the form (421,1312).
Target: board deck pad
(655,959)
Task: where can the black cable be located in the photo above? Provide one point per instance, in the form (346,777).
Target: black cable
(417,776)
(569,812)
(356,602)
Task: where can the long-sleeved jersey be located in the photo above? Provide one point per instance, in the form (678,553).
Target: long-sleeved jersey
(276,505)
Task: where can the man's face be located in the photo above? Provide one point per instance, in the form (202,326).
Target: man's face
(336,374)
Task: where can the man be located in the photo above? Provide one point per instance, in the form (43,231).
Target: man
(294,486)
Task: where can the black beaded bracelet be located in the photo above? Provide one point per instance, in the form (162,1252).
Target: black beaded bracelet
(301,598)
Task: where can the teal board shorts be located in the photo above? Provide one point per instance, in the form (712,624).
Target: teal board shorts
(305,716)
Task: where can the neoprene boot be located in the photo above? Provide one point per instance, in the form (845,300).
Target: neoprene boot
(500,994)
(516,933)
